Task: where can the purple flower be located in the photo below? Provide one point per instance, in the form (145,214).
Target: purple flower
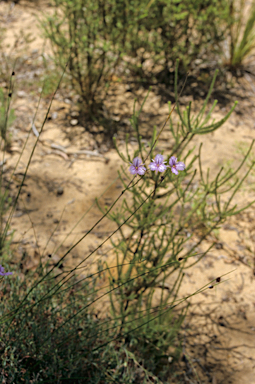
(137,167)
(2,273)
(176,165)
(158,164)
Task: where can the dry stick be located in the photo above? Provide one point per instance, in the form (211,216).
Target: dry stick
(32,153)
(3,143)
(28,164)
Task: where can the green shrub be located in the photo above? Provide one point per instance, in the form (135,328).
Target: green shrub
(166,30)
(158,239)
(79,33)
(241,33)
(97,40)
(47,340)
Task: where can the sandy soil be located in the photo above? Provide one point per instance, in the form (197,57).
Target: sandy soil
(69,170)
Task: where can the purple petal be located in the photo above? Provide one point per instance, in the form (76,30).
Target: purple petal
(137,161)
(136,167)
(180,166)
(2,273)
(153,167)
(159,159)
(141,170)
(172,161)
(133,170)
(162,167)
(174,170)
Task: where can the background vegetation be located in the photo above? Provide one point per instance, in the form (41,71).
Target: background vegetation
(104,40)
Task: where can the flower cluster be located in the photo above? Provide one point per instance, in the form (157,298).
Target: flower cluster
(157,164)
(2,273)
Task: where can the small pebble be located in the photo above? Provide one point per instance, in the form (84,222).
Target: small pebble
(74,122)
(60,191)
(219,246)
(21,94)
